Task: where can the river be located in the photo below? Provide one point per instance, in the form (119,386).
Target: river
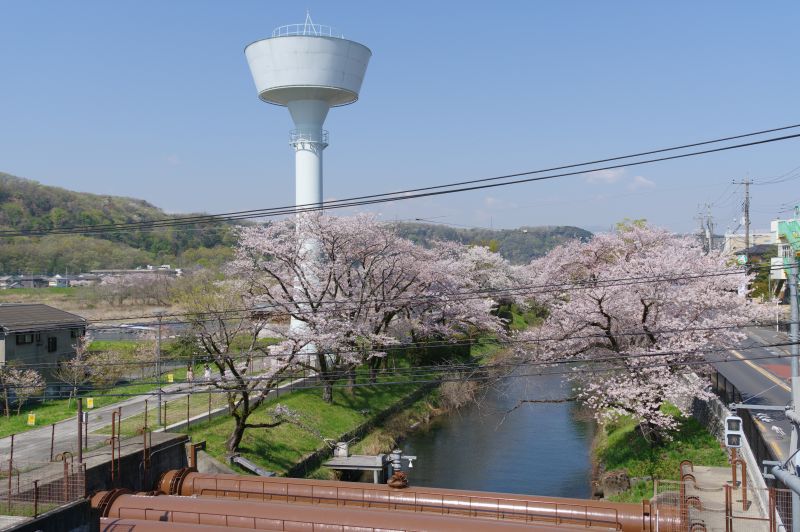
(540,449)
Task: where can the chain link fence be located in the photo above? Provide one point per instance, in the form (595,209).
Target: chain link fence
(32,488)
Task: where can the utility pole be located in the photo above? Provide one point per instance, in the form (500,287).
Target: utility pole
(795,350)
(80,430)
(158,365)
(709,228)
(702,231)
(746,182)
(787,233)
(706,222)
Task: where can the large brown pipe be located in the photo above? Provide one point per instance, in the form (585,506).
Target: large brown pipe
(623,516)
(136,525)
(275,516)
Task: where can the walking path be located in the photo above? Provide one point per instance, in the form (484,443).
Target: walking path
(34,446)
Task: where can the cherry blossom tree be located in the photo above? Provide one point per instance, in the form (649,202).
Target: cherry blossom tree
(358,289)
(640,306)
(26,383)
(146,288)
(18,385)
(75,372)
(228,335)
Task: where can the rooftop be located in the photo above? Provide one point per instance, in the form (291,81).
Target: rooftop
(18,317)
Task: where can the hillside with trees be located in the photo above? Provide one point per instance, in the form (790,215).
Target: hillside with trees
(27,205)
(518,246)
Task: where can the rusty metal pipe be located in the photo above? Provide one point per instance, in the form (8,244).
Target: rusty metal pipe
(137,525)
(503,506)
(261,515)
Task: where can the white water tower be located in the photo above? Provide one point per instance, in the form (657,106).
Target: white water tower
(308,68)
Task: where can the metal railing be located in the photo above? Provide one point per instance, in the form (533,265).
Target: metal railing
(30,489)
(728,393)
(308,29)
(308,135)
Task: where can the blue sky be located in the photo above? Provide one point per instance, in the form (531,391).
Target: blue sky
(154,99)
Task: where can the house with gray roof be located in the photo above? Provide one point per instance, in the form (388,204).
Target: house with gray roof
(37,334)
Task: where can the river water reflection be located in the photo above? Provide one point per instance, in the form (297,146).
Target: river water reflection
(541,449)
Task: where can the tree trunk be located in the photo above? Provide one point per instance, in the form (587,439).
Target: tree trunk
(327,391)
(374,365)
(351,380)
(233,441)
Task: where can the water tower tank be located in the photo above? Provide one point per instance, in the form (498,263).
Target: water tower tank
(308,68)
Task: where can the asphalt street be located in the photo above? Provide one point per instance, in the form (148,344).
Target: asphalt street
(762,381)
(33,446)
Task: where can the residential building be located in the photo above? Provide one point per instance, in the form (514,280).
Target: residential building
(734,243)
(37,334)
(164,270)
(31,281)
(61,281)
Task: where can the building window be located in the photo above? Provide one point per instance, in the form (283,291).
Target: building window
(23,339)
(52,344)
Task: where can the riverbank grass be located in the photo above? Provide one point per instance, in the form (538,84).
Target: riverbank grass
(620,446)
(280,448)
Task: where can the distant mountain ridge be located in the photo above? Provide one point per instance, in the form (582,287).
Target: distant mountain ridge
(518,246)
(28,205)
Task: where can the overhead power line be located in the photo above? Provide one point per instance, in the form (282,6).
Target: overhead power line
(248,356)
(479,373)
(450,188)
(528,290)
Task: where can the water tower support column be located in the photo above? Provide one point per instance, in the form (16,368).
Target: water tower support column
(308,167)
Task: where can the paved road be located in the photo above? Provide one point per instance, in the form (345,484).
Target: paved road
(762,380)
(33,446)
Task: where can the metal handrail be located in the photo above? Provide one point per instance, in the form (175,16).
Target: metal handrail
(308,135)
(306,29)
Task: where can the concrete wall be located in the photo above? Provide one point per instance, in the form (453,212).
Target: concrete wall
(168,451)
(75,517)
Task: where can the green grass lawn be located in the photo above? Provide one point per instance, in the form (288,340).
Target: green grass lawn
(280,448)
(60,409)
(621,446)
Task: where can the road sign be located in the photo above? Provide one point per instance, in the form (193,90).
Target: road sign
(90,402)
(31,420)
(170,377)
(741,259)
